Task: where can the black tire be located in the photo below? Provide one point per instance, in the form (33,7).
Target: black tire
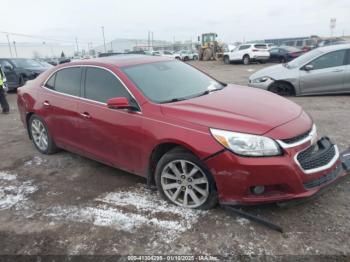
(208,54)
(282,88)
(283,60)
(195,57)
(186,58)
(246,60)
(181,154)
(226,60)
(51,146)
(22,80)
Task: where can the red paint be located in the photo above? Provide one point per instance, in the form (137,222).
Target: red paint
(126,139)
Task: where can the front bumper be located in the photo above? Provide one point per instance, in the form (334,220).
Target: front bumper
(282,176)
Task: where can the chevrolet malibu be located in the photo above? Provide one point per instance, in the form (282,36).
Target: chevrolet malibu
(200,141)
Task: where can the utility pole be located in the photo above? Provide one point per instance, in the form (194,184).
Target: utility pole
(112,46)
(104,40)
(152,40)
(148,43)
(332,25)
(8,41)
(76,41)
(14,45)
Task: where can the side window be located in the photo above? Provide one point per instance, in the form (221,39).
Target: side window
(331,59)
(68,81)
(243,47)
(348,57)
(51,82)
(274,51)
(6,65)
(101,85)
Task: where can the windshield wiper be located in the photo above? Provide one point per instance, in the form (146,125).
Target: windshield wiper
(173,100)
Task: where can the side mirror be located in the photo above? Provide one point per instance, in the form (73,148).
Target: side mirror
(120,103)
(308,67)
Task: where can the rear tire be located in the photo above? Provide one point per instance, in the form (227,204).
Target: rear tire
(282,88)
(246,60)
(41,136)
(283,60)
(182,179)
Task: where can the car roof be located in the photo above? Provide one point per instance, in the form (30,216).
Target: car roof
(334,47)
(122,60)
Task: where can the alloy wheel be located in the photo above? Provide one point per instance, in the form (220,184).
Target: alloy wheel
(39,135)
(185,184)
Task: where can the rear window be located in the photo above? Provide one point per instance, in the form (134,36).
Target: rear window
(260,46)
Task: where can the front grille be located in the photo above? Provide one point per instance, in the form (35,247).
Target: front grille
(296,138)
(324,179)
(313,158)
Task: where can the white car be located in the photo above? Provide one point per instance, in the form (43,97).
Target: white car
(170,54)
(188,55)
(247,53)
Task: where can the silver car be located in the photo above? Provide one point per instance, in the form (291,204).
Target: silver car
(325,70)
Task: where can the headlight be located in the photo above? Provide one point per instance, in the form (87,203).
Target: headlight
(261,79)
(246,144)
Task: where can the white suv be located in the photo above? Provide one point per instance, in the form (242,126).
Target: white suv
(247,53)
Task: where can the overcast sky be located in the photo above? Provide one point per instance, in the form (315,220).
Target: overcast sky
(232,20)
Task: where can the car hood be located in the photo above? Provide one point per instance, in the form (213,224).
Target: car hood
(235,108)
(275,72)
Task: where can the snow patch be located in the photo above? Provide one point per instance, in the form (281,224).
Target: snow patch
(242,221)
(36,161)
(130,211)
(250,70)
(7,176)
(14,193)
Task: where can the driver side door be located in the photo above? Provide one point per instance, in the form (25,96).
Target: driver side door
(327,75)
(109,135)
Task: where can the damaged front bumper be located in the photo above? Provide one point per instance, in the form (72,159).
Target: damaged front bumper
(283,178)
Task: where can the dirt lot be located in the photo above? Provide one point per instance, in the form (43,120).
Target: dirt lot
(67,204)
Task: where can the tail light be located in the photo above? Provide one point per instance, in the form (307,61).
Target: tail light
(255,50)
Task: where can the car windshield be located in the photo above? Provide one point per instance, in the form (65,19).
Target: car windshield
(26,63)
(301,60)
(170,81)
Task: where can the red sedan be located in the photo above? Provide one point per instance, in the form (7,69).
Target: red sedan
(199,140)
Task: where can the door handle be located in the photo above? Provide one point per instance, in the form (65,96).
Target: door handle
(85,115)
(46,104)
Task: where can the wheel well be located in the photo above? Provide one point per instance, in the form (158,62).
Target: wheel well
(285,82)
(246,55)
(28,116)
(157,153)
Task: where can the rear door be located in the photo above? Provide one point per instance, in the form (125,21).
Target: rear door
(347,73)
(327,75)
(241,50)
(59,104)
(274,54)
(112,136)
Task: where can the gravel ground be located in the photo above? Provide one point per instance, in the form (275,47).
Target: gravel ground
(66,204)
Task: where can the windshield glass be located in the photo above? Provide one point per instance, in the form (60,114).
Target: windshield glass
(26,63)
(170,81)
(304,58)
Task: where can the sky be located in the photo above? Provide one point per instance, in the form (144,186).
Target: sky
(233,21)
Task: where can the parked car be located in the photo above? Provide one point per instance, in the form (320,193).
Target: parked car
(198,140)
(186,55)
(19,70)
(324,70)
(171,54)
(247,53)
(284,54)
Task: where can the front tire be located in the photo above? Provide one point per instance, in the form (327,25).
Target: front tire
(226,60)
(282,88)
(183,180)
(40,135)
(246,60)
